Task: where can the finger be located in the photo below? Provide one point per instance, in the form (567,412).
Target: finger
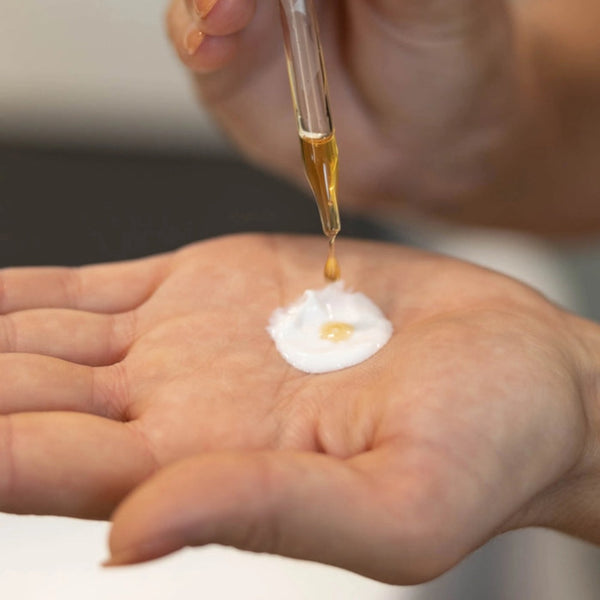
(306,506)
(82,337)
(105,288)
(200,52)
(68,464)
(32,383)
(221,17)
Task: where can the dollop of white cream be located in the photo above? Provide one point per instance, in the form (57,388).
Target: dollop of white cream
(296,329)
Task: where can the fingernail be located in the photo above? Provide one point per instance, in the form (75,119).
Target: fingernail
(193,40)
(203,7)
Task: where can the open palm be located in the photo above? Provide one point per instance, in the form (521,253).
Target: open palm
(395,468)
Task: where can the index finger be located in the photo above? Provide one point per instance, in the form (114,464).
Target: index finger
(103,288)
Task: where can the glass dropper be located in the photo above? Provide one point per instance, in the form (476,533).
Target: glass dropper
(308,83)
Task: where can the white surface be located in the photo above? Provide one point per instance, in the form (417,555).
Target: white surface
(52,558)
(99,71)
(296,329)
(527,258)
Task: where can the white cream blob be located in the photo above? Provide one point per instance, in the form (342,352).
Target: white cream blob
(300,329)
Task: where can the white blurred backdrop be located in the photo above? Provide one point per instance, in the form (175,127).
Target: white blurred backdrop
(98,71)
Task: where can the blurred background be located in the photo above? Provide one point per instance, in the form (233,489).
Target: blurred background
(104,155)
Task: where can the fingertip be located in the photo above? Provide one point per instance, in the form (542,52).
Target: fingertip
(198,49)
(134,536)
(140,553)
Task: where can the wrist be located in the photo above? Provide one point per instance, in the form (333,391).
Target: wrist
(588,467)
(571,503)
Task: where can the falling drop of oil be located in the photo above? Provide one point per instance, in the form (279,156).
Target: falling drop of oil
(332,269)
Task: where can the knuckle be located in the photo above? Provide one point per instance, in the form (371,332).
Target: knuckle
(262,531)
(8,334)
(122,334)
(8,466)
(110,393)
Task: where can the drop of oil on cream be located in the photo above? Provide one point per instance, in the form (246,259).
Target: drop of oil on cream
(334,331)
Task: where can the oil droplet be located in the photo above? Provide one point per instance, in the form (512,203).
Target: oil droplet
(336,331)
(332,269)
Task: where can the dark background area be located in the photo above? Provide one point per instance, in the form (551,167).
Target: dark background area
(76,206)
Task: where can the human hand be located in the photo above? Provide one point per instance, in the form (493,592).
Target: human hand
(483,112)
(476,417)
(471,421)
(427,91)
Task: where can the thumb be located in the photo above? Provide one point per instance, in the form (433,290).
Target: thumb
(300,505)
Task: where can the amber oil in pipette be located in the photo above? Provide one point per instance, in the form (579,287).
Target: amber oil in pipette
(320,156)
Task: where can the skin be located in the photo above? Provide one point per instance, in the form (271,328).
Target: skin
(477,111)
(479,416)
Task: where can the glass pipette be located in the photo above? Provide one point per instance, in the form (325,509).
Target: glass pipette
(308,84)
